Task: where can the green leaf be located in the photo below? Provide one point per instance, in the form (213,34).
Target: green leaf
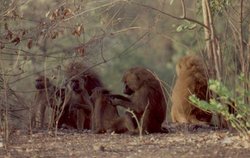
(192,26)
(171,2)
(247,124)
(179,28)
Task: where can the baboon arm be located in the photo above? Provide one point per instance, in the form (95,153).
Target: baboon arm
(117,96)
(120,102)
(127,104)
(82,106)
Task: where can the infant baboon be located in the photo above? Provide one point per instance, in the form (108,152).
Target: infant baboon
(147,100)
(191,79)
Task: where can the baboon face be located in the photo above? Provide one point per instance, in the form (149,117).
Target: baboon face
(76,84)
(41,82)
(131,83)
(127,90)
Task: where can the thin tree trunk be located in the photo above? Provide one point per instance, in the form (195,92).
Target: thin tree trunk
(212,44)
(206,30)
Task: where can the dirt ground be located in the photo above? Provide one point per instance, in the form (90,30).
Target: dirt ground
(178,144)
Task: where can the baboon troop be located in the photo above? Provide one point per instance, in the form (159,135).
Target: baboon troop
(84,103)
(192,78)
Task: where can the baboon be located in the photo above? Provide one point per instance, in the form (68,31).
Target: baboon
(191,79)
(90,78)
(62,115)
(46,96)
(43,98)
(147,100)
(105,114)
(78,100)
(81,82)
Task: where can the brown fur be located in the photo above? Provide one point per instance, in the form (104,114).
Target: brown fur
(147,100)
(63,116)
(191,79)
(46,96)
(78,100)
(105,114)
(78,69)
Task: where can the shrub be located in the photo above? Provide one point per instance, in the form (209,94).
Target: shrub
(236,98)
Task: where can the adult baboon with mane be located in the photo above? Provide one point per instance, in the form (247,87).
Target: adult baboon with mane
(192,78)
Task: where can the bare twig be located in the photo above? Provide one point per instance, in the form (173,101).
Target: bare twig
(92,9)
(170,15)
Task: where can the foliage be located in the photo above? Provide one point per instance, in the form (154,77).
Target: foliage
(240,119)
(217,6)
(187,26)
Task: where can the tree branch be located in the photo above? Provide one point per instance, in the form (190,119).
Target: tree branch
(170,15)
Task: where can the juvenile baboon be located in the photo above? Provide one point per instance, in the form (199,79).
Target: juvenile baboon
(78,100)
(191,79)
(147,100)
(81,82)
(44,98)
(48,96)
(105,114)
